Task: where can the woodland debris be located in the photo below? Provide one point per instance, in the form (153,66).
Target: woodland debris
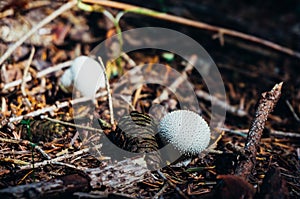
(121,176)
(26,142)
(274,186)
(60,158)
(64,185)
(49,18)
(55,107)
(40,74)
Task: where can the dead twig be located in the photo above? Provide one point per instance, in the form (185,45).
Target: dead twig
(161,191)
(38,75)
(130,61)
(231,109)
(284,134)
(265,107)
(14,161)
(59,159)
(221,31)
(172,185)
(26,142)
(292,110)
(240,132)
(45,21)
(243,132)
(71,124)
(55,107)
(25,75)
(173,87)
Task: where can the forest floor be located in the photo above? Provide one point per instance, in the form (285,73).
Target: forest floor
(36,147)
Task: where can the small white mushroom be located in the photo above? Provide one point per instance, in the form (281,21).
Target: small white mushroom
(185,130)
(85,74)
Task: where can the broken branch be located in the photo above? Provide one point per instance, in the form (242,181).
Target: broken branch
(265,107)
(197,24)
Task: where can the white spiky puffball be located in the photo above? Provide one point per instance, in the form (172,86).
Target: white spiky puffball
(85,74)
(185,130)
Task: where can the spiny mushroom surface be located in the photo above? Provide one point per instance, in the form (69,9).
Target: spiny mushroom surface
(85,74)
(185,130)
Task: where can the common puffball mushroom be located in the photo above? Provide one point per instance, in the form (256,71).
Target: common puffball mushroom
(85,74)
(185,130)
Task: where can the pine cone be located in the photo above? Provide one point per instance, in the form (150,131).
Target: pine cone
(136,133)
(36,130)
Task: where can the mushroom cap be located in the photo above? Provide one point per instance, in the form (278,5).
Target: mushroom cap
(185,130)
(67,78)
(85,74)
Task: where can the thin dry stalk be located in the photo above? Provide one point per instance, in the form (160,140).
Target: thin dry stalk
(110,104)
(71,124)
(23,84)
